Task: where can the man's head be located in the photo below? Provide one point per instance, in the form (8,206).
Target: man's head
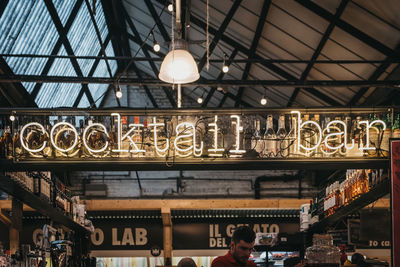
(242,243)
(187,262)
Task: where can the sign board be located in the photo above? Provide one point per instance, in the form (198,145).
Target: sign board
(395,177)
(218,235)
(206,135)
(110,234)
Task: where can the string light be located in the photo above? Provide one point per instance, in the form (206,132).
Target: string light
(225,67)
(12,117)
(263,101)
(156,45)
(170,8)
(118,93)
(200,100)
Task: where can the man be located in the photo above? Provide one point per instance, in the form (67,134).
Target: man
(187,262)
(241,246)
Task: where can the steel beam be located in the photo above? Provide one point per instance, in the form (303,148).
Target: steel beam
(219,78)
(320,46)
(218,34)
(356,33)
(63,35)
(158,21)
(253,47)
(243,49)
(57,46)
(201,82)
(377,73)
(91,72)
(152,64)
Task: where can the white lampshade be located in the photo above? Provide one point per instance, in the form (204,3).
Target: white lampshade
(179,67)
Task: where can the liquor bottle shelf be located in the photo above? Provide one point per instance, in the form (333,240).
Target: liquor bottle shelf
(374,194)
(16,190)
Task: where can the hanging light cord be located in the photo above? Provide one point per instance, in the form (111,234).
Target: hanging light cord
(207,37)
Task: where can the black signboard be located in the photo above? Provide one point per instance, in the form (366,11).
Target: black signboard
(110,234)
(217,235)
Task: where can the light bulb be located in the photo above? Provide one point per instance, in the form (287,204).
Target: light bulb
(12,118)
(156,47)
(263,101)
(170,8)
(118,94)
(225,68)
(200,100)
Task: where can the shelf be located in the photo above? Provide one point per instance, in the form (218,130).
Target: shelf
(374,194)
(13,188)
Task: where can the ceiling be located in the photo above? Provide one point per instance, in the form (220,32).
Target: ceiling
(296,52)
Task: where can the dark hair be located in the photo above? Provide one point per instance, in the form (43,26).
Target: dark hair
(186,262)
(244,233)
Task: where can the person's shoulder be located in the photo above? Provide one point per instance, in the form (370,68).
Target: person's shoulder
(219,260)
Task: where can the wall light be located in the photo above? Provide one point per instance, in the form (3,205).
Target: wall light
(178,66)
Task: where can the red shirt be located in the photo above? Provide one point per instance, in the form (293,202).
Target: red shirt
(228,260)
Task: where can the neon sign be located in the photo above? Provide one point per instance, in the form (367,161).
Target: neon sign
(213,136)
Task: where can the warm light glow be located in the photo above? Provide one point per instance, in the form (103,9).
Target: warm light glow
(187,126)
(225,68)
(200,100)
(21,136)
(158,150)
(179,67)
(215,130)
(71,128)
(170,8)
(263,101)
(85,142)
(369,126)
(118,94)
(156,47)
(12,118)
(238,130)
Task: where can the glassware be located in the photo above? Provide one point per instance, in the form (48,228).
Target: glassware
(323,253)
(270,138)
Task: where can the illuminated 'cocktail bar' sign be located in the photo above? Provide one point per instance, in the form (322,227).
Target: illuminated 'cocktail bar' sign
(202,134)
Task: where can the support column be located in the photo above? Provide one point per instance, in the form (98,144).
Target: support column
(167,235)
(16,225)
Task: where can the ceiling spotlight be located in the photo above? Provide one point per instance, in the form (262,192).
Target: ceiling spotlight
(263,101)
(200,100)
(156,47)
(170,8)
(12,118)
(118,93)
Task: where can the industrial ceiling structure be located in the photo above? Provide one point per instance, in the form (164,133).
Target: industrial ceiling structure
(57,53)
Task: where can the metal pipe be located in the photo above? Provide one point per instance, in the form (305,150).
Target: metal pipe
(178,18)
(201,82)
(252,60)
(179,102)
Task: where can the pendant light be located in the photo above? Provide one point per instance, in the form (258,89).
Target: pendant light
(179,66)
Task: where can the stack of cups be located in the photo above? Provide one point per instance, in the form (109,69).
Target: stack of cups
(305,217)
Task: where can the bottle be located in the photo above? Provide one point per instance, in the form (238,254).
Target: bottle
(270,138)
(357,134)
(293,137)
(305,138)
(256,143)
(396,126)
(282,143)
(7,143)
(323,252)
